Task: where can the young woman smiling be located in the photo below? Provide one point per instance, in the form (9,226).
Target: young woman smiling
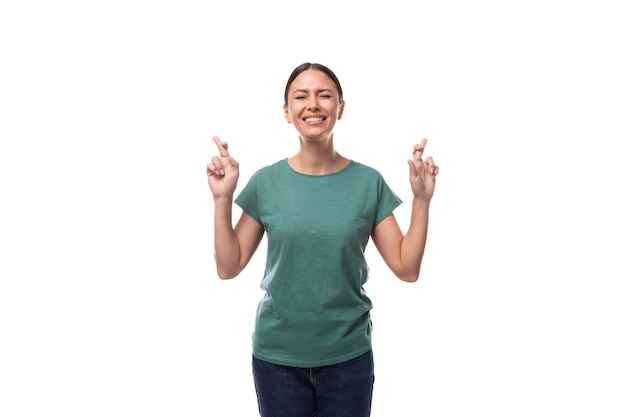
(312,347)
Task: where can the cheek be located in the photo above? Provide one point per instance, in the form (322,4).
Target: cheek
(294,108)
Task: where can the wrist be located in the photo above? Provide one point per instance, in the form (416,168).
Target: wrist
(223,199)
(420,203)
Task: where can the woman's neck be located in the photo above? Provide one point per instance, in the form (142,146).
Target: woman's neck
(317,159)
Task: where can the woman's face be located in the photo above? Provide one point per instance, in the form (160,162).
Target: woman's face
(313,105)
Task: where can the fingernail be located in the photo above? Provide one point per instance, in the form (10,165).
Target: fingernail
(221,172)
(432,170)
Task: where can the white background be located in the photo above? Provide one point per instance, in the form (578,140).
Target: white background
(109,301)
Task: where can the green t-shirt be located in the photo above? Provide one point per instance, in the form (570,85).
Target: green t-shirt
(315,311)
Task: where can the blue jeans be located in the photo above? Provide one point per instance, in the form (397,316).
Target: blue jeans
(341,390)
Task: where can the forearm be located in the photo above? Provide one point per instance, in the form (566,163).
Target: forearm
(226,243)
(414,241)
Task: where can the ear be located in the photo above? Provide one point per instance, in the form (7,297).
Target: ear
(286,110)
(341,106)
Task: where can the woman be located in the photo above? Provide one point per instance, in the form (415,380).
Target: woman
(312,350)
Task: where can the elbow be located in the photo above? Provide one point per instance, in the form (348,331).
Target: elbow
(409,278)
(225,275)
(226,270)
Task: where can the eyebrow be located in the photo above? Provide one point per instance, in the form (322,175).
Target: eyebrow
(323,90)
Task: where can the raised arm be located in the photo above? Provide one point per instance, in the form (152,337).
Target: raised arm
(403,253)
(234,247)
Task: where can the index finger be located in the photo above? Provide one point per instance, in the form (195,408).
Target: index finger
(220,146)
(418,150)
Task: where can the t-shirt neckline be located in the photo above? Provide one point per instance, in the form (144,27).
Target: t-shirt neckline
(290,168)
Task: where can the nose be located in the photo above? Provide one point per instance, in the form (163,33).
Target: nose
(312,103)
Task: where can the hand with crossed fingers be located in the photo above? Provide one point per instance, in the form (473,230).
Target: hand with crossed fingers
(222,172)
(422,173)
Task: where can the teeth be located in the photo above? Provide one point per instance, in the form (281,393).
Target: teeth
(314,119)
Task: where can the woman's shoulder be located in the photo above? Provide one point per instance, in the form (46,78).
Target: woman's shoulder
(364,169)
(272,168)
(277,168)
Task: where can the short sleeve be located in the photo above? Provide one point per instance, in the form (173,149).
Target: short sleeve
(248,198)
(388,201)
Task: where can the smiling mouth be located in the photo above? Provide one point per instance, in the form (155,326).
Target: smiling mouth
(314,119)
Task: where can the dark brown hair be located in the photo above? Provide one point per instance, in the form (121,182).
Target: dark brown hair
(319,67)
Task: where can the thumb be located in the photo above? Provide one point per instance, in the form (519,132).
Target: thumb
(412,169)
